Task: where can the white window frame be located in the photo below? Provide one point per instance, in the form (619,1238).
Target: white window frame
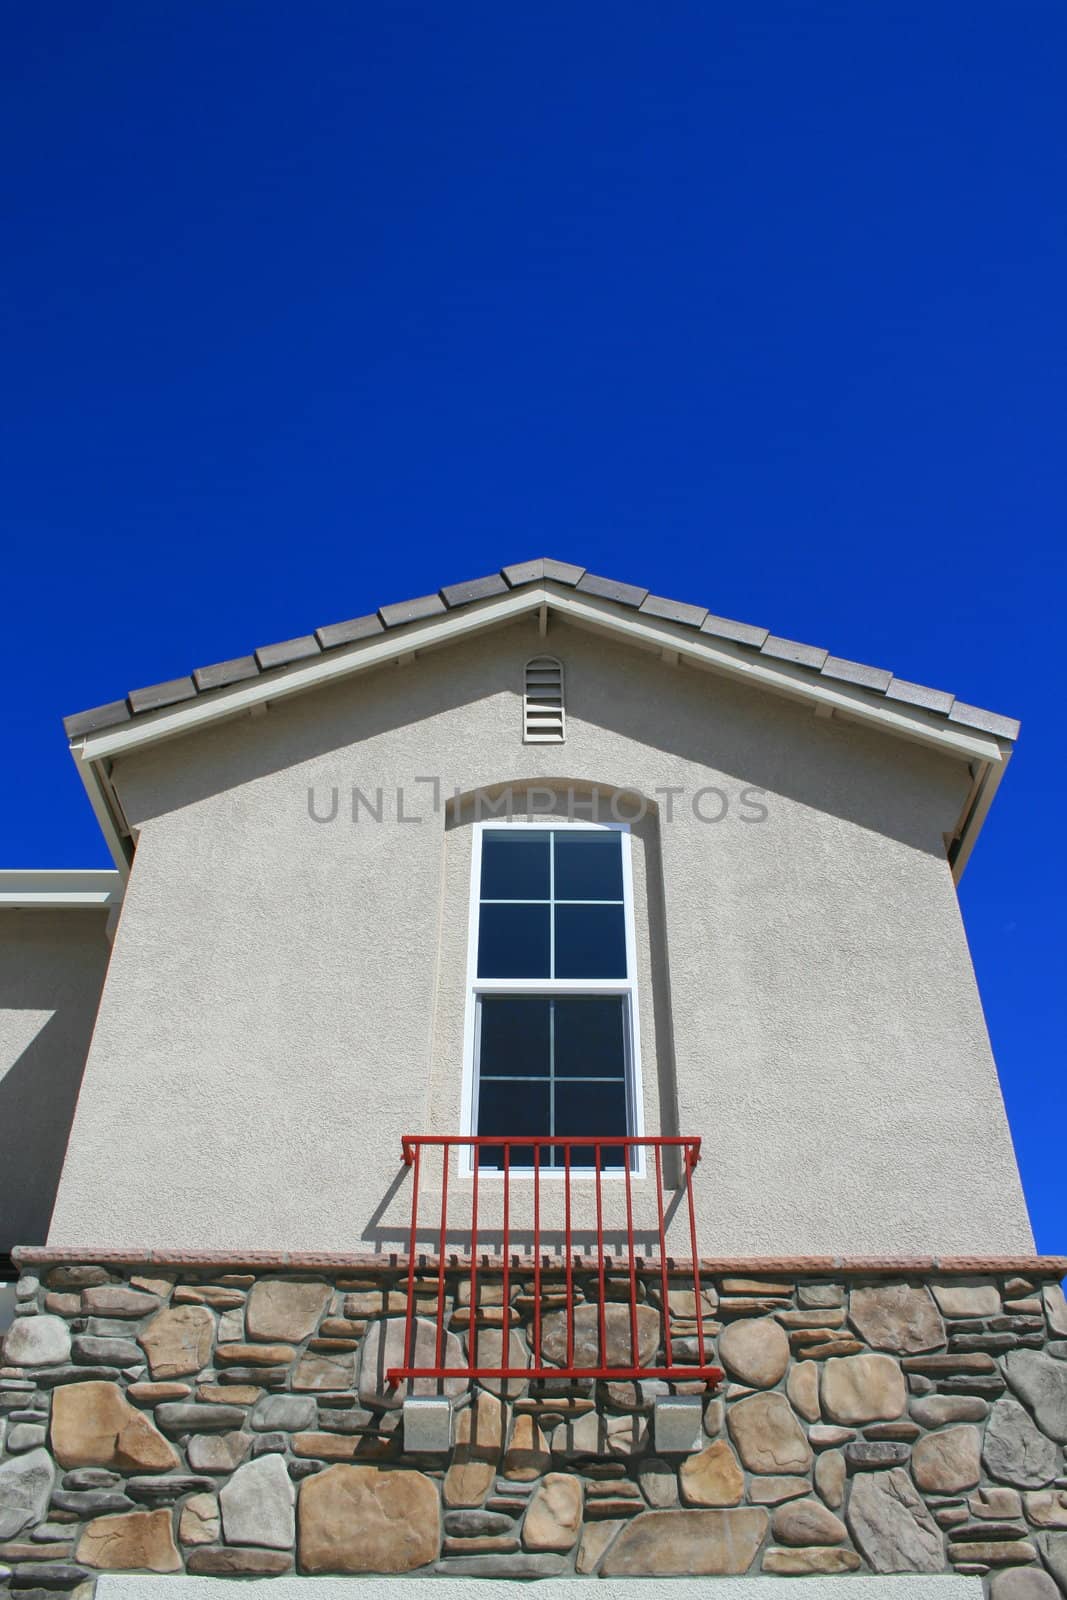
(551,986)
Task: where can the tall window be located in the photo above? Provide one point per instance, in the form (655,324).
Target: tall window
(552,986)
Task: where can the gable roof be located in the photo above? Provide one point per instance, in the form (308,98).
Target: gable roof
(459,596)
(678,631)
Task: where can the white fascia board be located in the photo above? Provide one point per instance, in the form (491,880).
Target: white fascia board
(781,677)
(989,781)
(92,888)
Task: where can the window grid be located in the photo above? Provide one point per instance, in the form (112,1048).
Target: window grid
(552,903)
(622,986)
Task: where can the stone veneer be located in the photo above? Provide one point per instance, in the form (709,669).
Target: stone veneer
(222,1416)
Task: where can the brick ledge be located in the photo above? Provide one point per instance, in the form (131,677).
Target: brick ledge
(741,1266)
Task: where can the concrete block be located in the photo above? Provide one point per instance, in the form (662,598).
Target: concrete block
(676,1421)
(428,1423)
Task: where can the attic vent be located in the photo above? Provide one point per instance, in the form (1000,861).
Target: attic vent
(542,701)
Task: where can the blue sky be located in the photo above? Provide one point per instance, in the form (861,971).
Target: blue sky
(307,310)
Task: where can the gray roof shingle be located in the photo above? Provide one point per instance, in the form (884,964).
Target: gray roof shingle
(454,596)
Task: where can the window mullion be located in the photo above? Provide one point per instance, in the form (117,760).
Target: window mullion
(551,905)
(552,1072)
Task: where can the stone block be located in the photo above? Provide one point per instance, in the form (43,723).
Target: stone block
(257,1505)
(362,1519)
(93,1424)
(767,1435)
(26,1484)
(678,1544)
(864,1388)
(133,1541)
(177,1341)
(283,1310)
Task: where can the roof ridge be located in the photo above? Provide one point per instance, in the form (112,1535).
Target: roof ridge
(544,569)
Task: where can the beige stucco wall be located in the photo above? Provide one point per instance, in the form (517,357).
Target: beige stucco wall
(285,996)
(52,967)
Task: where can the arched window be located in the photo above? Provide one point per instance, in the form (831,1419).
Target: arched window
(542,701)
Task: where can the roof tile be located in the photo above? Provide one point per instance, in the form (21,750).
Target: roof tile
(805,655)
(856,672)
(338,633)
(739,632)
(461,594)
(523,572)
(562,572)
(108,716)
(280,655)
(224,672)
(654,605)
(987,721)
(624,594)
(915,694)
(426,605)
(162,694)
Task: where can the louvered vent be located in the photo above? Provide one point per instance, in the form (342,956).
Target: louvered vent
(542,701)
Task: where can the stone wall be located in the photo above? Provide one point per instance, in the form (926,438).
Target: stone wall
(227,1418)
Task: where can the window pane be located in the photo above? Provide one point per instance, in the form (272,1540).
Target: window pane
(588,865)
(591,1108)
(590,1036)
(511,1109)
(590,941)
(514,1036)
(514,864)
(513,942)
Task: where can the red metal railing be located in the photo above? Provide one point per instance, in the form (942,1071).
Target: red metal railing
(545,1174)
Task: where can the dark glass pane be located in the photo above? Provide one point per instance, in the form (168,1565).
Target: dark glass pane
(588,865)
(592,1108)
(590,1036)
(590,942)
(514,1036)
(513,942)
(511,1109)
(514,864)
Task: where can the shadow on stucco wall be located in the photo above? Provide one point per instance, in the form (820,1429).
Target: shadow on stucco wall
(52,966)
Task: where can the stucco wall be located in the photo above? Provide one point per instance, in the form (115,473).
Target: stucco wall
(285,995)
(52,966)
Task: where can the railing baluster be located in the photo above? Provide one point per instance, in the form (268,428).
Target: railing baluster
(570,1257)
(688,1149)
(665,1294)
(505,1330)
(441,1258)
(409,1323)
(600,1258)
(537,1253)
(689,1164)
(633,1262)
(472,1330)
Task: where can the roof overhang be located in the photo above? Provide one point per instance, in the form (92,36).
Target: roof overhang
(985,753)
(94,889)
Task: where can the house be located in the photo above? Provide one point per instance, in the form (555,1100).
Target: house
(528,1031)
